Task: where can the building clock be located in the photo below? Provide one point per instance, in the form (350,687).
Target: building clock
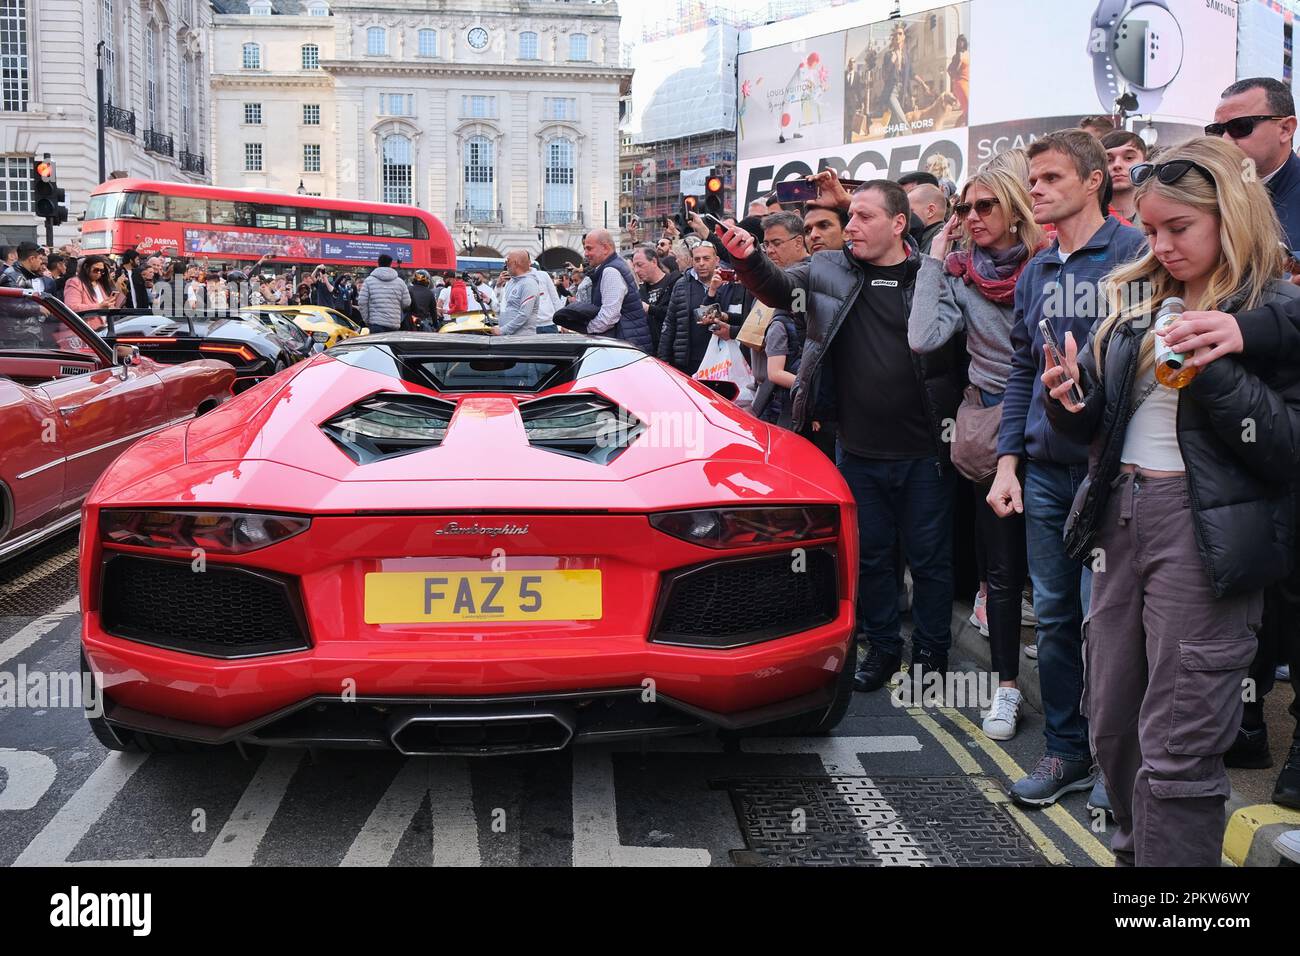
(478,38)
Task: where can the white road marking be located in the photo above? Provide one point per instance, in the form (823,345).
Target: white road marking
(33,631)
(75,818)
(595,820)
(27,776)
(451,806)
(243,833)
(388,821)
(840,755)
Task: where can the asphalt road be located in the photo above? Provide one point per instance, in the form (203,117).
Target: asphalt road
(893,786)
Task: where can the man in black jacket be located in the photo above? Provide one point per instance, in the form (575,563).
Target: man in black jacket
(137,293)
(891,406)
(25,272)
(656,288)
(683,341)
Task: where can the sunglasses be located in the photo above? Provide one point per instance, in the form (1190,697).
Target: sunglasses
(1168,173)
(1239,127)
(981,206)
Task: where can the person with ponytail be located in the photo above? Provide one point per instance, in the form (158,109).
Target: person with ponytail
(1187,513)
(972,290)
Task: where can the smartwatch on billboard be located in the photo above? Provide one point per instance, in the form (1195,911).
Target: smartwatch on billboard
(1136,47)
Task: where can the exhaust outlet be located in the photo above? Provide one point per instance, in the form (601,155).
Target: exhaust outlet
(487,732)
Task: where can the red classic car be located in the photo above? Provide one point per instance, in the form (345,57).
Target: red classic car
(70,404)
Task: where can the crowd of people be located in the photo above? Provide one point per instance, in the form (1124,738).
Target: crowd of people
(1134,482)
(1002,341)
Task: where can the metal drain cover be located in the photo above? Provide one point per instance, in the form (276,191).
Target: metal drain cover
(857,821)
(38,581)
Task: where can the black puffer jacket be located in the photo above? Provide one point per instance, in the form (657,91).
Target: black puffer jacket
(675,336)
(1239,434)
(832,282)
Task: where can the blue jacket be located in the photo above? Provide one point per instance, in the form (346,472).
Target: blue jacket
(1069,294)
(1285,191)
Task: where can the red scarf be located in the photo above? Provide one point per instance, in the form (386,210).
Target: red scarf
(1000,291)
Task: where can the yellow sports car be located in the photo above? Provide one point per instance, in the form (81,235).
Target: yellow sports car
(313,319)
(471,323)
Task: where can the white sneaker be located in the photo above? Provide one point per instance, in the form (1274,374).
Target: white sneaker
(1031,651)
(979,617)
(1288,844)
(1000,722)
(1027,616)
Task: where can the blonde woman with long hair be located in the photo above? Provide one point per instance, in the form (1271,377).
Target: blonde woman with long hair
(972,290)
(1187,514)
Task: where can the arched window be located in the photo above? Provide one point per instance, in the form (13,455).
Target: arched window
(428,43)
(480,176)
(318,8)
(187,105)
(396,174)
(376,41)
(260,8)
(528,46)
(252,56)
(557,200)
(310,56)
(151,76)
(578,46)
(107,33)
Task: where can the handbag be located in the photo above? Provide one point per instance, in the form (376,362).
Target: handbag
(975,442)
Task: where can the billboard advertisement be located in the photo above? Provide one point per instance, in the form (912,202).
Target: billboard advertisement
(792,97)
(969,79)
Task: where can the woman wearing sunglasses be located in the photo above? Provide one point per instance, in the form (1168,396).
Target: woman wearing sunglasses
(973,290)
(92,288)
(1187,513)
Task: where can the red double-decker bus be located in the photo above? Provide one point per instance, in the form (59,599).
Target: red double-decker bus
(232,225)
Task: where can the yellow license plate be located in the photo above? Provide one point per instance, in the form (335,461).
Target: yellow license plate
(416,597)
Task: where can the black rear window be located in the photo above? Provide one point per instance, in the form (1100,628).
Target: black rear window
(510,367)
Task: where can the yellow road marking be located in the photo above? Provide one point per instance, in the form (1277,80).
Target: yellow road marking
(993,794)
(1245,823)
(1072,828)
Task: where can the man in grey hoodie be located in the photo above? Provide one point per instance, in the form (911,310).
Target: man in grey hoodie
(384,297)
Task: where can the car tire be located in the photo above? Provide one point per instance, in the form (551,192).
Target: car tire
(817,723)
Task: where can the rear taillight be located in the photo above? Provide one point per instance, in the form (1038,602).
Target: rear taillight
(242,351)
(747,527)
(214,531)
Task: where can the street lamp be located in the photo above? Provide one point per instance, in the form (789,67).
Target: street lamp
(302,188)
(469,237)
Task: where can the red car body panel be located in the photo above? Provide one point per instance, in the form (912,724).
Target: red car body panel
(265,451)
(67,414)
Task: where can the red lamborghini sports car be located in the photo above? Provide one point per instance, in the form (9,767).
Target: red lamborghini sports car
(468,545)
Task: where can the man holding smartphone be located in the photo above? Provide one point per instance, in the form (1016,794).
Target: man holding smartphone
(1067,172)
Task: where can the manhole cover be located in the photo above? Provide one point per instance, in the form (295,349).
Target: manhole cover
(856,821)
(38,581)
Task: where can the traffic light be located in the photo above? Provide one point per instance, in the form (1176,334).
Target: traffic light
(713,194)
(47,197)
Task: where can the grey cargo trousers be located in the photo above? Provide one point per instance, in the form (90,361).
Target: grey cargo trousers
(1164,664)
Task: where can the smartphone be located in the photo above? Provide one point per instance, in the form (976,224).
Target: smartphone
(708,314)
(796,190)
(1054,351)
(710,219)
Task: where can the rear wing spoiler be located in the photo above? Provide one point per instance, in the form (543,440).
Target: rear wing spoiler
(109,315)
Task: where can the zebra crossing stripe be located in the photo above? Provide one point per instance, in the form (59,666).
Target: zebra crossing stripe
(237,843)
(66,829)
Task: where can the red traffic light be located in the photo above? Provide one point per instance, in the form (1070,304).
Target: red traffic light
(690,202)
(714,184)
(45,169)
